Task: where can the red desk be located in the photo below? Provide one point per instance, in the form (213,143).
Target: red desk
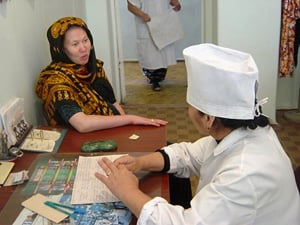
(150,139)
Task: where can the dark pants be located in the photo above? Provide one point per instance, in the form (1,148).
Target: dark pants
(155,76)
(180,191)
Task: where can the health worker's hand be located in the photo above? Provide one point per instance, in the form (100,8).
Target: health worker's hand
(118,178)
(130,162)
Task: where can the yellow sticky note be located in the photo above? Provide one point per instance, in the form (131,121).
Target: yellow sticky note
(5,168)
(37,204)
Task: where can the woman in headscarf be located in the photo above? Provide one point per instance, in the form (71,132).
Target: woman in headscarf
(74,87)
(245,175)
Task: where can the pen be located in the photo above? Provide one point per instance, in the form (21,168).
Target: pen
(60,207)
(56,175)
(68,180)
(41,176)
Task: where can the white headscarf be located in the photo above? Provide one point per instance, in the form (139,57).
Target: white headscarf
(222,82)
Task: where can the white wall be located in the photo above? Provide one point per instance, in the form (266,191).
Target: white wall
(104,23)
(288,90)
(254,27)
(24,48)
(97,20)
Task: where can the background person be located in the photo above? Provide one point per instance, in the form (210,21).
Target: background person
(154,61)
(74,87)
(245,175)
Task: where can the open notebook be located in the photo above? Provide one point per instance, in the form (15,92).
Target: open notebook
(40,140)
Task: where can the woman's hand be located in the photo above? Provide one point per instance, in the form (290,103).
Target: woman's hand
(86,123)
(123,184)
(138,120)
(131,163)
(118,178)
(145,17)
(148,162)
(176,5)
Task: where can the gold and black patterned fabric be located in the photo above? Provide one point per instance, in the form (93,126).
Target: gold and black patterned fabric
(66,88)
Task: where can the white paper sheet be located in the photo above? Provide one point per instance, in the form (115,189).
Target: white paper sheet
(87,188)
(165,29)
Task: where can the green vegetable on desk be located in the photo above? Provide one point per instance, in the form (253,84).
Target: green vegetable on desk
(99,145)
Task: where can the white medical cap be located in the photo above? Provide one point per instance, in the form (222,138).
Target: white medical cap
(222,82)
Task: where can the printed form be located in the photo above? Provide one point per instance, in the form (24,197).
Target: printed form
(87,188)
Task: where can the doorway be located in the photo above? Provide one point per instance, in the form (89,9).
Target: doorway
(190,15)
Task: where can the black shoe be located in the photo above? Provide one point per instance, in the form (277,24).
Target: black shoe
(155,86)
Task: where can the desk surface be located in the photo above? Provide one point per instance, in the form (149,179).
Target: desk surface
(150,139)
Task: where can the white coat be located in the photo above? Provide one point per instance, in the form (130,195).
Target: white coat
(246,179)
(150,57)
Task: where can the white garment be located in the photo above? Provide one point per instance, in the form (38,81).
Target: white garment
(246,179)
(165,29)
(150,57)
